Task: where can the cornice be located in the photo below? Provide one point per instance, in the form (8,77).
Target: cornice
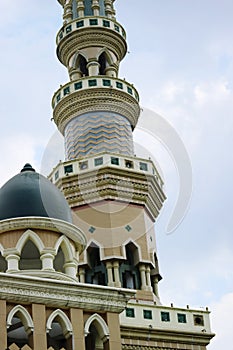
(136,334)
(25,289)
(91,37)
(96,99)
(49,224)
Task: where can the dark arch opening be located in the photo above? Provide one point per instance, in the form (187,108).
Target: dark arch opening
(59,261)
(96,270)
(129,273)
(30,257)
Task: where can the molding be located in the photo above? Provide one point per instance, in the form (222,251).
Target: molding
(48,224)
(136,334)
(25,289)
(91,37)
(93,100)
(135,188)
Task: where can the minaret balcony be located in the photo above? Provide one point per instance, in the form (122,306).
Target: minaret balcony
(110,176)
(96,93)
(90,32)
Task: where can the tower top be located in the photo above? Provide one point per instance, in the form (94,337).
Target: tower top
(74,9)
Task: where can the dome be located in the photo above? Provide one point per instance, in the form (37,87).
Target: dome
(31,194)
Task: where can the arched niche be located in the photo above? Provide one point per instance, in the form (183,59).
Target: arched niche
(129,272)
(96,333)
(59,330)
(96,269)
(19,326)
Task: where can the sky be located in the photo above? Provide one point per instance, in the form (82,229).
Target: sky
(180,59)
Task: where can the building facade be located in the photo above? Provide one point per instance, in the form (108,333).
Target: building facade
(79,270)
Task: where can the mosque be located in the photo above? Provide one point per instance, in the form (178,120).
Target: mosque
(78,258)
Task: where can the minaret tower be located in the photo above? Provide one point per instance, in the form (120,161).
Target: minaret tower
(115,196)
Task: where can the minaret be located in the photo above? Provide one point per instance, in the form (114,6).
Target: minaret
(115,196)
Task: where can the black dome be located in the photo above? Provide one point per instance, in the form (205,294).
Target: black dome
(31,194)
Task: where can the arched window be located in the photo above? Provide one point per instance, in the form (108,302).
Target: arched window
(96,332)
(82,65)
(103,63)
(30,257)
(19,326)
(96,271)
(59,331)
(55,337)
(129,273)
(59,261)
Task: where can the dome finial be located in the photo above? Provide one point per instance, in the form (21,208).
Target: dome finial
(27,167)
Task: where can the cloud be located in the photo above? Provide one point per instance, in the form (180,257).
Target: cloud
(221,317)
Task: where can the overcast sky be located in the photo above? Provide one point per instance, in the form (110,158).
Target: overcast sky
(181,61)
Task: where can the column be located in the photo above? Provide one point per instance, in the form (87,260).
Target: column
(109,272)
(111,71)
(75,74)
(96,7)
(47,260)
(76,316)
(114,331)
(82,275)
(39,320)
(93,68)
(3,329)
(142,270)
(155,287)
(116,274)
(108,8)
(80,8)
(71,269)
(12,263)
(148,279)
(68,13)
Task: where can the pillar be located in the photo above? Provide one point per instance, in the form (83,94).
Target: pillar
(142,270)
(108,8)
(71,269)
(155,286)
(12,263)
(95,7)
(47,261)
(148,279)
(78,339)
(68,13)
(93,68)
(39,320)
(3,329)
(81,275)
(116,274)
(80,8)
(114,331)
(110,275)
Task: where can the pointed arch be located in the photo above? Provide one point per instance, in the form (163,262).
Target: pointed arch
(63,321)
(24,316)
(100,326)
(137,256)
(129,271)
(66,247)
(108,56)
(64,253)
(96,270)
(29,235)
(79,61)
